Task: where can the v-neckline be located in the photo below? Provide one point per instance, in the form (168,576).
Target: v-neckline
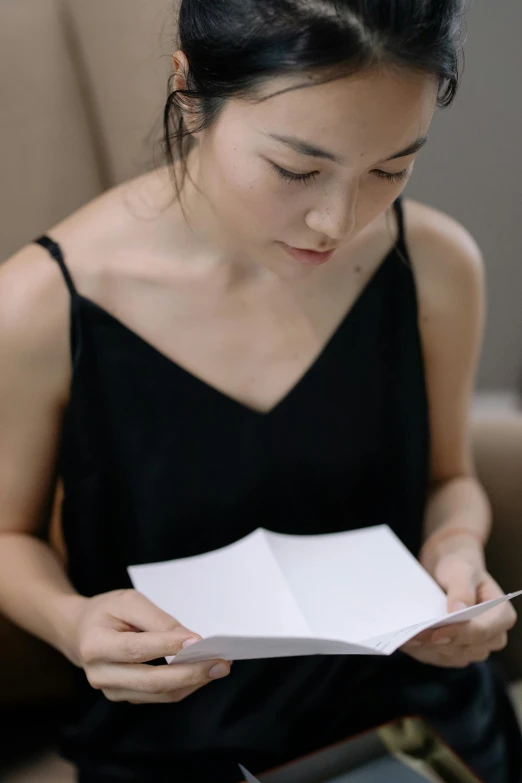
(307,372)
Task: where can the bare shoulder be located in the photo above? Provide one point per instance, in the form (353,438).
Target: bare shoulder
(446,258)
(449,278)
(94,241)
(435,236)
(34,320)
(107,235)
(35,312)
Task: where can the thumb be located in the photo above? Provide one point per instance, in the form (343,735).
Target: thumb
(138,611)
(459,583)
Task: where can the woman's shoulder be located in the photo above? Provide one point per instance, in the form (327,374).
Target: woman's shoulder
(440,247)
(449,273)
(95,240)
(118,226)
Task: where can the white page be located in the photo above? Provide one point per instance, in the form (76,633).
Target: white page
(361,591)
(386,644)
(463,615)
(241,648)
(248,777)
(234,591)
(373,583)
(237,648)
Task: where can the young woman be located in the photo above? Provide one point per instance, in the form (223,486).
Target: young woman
(259,333)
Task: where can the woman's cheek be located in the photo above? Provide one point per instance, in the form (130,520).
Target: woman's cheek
(257,201)
(271,207)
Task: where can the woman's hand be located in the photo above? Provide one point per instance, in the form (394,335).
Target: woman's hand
(113,636)
(460,570)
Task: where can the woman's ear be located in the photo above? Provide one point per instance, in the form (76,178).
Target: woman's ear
(181,70)
(180,82)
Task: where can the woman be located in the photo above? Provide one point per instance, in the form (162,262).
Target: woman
(284,343)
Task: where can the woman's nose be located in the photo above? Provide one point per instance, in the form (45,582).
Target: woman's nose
(335,217)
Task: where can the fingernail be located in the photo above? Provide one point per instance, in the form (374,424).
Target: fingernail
(190,641)
(218,671)
(444,640)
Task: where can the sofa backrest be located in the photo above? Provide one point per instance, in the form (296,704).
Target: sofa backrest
(82,89)
(124,49)
(49,165)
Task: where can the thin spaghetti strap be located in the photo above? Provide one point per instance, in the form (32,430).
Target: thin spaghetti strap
(54,249)
(399,212)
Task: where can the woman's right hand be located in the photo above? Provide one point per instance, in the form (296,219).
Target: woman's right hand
(113,636)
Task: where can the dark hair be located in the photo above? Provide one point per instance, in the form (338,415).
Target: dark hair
(233,46)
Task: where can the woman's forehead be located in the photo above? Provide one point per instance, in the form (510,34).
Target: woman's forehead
(368,109)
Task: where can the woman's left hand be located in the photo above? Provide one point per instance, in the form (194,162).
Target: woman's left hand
(463,576)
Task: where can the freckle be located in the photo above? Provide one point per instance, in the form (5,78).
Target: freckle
(358,270)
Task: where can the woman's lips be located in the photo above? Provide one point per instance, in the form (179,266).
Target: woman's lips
(308,256)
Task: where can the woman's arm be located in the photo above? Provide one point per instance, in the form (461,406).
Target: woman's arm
(450,283)
(111,636)
(34,359)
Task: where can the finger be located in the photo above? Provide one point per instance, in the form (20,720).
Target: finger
(464,655)
(489,589)
(460,583)
(184,693)
(490,625)
(498,643)
(447,631)
(136,610)
(465,652)
(111,646)
(137,697)
(433,657)
(493,645)
(450,634)
(156,679)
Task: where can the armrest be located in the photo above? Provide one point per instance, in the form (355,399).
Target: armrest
(31,671)
(497,441)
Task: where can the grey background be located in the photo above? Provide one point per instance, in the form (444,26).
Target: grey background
(472,169)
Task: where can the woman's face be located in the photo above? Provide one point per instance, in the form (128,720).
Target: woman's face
(310,168)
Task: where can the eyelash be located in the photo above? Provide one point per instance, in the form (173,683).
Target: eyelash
(400,176)
(284,174)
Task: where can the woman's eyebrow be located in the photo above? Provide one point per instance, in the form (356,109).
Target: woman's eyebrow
(313,151)
(411,149)
(305,147)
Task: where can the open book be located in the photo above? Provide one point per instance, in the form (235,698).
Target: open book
(272,595)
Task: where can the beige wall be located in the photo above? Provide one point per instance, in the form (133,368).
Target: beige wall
(472,169)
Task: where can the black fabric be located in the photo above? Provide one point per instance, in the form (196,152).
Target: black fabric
(157,464)
(29,729)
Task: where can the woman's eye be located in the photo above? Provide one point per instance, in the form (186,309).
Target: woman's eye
(289,175)
(400,176)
